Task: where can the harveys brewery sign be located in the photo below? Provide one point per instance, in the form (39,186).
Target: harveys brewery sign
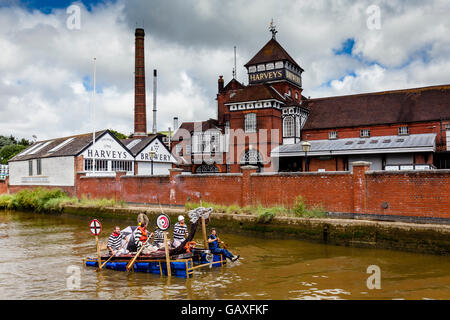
(107,148)
(273,75)
(156,151)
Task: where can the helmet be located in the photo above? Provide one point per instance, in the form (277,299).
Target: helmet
(180,218)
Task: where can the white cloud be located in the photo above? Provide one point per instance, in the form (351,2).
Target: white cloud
(43,64)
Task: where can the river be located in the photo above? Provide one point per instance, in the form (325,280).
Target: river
(41,254)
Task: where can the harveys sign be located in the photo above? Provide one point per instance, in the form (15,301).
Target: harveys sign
(273,75)
(107,148)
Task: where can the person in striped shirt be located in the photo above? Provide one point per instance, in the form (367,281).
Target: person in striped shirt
(158,238)
(180,232)
(115,241)
(141,235)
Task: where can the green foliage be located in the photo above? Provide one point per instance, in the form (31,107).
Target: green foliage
(118,135)
(6,201)
(9,151)
(51,201)
(266,214)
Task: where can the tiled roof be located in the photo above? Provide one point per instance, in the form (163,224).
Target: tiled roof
(388,107)
(255,92)
(136,145)
(271,52)
(59,147)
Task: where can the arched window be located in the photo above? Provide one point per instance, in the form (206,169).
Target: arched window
(250,122)
(251,157)
(207,168)
(288,127)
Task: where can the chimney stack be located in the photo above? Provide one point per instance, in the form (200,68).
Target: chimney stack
(175,124)
(140,117)
(154,102)
(220,84)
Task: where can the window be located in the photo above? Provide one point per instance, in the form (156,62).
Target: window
(121,165)
(296,95)
(447,127)
(100,165)
(179,149)
(289,92)
(227,127)
(332,135)
(403,130)
(251,157)
(30,167)
(87,164)
(250,122)
(297,126)
(38,167)
(288,127)
(365,133)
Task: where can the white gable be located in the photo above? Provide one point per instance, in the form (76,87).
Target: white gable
(161,153)
(107,148)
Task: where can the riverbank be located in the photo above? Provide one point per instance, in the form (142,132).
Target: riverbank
(412,237)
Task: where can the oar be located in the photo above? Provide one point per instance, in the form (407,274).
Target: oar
(104,263)
(131,263)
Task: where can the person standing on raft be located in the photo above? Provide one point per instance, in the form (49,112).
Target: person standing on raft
(213,243)
(180,232)
(141,235)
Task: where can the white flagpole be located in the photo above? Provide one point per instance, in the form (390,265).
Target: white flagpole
(93,125)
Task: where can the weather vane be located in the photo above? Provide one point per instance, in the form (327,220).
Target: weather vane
(272,29)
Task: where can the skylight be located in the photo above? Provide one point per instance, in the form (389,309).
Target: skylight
(62,144)
(40,147)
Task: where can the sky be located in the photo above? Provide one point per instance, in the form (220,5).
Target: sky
(47,51)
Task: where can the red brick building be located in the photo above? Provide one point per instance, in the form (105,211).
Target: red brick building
(263,123)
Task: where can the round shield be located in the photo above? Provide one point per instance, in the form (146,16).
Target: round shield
(163,222)
(96,227)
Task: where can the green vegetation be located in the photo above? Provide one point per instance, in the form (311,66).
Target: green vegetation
(266,214)
(51,201)
(10,146)
(118,134)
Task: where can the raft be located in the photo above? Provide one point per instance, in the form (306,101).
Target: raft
(182,265)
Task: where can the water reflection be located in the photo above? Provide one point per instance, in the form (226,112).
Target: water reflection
(35,251)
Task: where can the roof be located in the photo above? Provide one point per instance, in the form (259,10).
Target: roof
(59,147)
(381,144)
(387,107)
(272,51)
(137,144)
(199,125)
(256,92)
(233,85)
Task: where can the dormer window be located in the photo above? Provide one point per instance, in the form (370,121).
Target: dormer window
(332,135)
(403,131)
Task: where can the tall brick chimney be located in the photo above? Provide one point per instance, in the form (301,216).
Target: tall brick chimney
(140,117)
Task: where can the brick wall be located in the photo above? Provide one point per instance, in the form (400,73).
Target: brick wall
(413,194)
(3,186)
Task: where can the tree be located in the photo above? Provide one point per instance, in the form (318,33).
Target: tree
(9,151)
(118,135)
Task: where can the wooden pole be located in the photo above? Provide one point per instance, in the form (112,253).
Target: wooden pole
(98,252)
(205,242)
(166,246)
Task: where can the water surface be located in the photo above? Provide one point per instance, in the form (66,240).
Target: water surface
(38,253)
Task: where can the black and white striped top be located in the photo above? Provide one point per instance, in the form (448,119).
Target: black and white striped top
(179,231)
(158,236)
(115,242)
